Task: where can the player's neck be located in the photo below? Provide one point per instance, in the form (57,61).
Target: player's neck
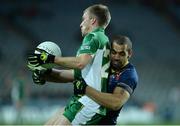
(94,27)
(117,70)
(125,64)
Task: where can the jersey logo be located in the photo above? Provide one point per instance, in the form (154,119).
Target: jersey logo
(84,47)
(117,77)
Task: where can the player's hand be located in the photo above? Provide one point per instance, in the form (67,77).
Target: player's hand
(32,68)
(37,77)
(40,59)
(80,87)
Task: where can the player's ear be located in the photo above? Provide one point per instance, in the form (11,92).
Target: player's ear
(93,20)
(130,53)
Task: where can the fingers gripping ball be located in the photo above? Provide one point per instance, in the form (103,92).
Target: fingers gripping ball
(37,79)
(40,59)
(43,56)
(46,48)
(37,76)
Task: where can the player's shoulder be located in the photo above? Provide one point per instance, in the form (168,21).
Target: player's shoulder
(129,74)
(130,70)
(90,37)
(93,35)
(129,77)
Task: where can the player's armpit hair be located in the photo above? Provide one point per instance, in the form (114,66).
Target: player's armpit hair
(126,87)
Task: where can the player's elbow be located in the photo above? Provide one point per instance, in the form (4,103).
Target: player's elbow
(116,107)
(117,104)
(80,66)
(83,60)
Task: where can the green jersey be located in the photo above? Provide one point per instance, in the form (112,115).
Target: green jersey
(96,43)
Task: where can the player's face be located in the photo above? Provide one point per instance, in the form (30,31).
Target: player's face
(86,24)
(119,55)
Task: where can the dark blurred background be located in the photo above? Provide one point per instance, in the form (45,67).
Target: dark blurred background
(152,25)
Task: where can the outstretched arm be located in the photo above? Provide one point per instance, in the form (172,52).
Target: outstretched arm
(69,62)
(73,62)
(60,76)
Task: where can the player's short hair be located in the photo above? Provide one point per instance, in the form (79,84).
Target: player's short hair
(101,12)
(122,40)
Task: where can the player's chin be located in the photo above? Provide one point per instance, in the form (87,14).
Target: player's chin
(116,65)
(84,34)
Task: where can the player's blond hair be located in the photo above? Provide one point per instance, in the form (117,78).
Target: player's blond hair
(101,12)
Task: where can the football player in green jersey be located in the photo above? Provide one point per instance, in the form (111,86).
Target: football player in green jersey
(91,63)
(122,82)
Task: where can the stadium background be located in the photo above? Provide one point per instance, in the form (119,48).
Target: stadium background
(152,25)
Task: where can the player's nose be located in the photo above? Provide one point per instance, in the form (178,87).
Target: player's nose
(80,25)
(116,56)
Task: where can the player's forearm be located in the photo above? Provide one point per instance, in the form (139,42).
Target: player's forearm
(60,76)
(73,62)
(107,100)
(69,62)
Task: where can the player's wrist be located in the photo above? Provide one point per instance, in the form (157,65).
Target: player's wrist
(45,73)
(37,78)
(86,89)
(51,58)
(80,87)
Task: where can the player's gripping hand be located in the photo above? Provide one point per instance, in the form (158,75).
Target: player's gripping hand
(40,59)
(37,77)
(32,68)
(80,87)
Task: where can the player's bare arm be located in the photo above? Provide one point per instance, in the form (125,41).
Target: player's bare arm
(60,76)
(112,101)
(78,62)
(73,62)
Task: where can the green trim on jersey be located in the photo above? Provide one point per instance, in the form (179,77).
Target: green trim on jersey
(93,41)
(77,114)
(72,108)
(77,74)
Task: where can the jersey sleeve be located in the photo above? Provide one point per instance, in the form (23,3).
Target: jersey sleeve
(90,45)
(128,81)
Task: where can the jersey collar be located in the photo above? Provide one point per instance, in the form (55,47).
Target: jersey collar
(98,29)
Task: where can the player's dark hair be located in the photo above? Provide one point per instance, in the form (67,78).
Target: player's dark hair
(122,40)
(101,12)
